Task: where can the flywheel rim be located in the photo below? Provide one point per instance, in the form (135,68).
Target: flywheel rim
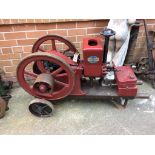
(41,40)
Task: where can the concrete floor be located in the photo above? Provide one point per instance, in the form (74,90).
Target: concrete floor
(81,117)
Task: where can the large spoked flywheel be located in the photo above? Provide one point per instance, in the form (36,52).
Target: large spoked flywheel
(51,43)
(51,83)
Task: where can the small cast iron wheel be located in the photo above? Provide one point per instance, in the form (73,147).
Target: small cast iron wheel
(53,38)
(3,107)
(64,77)
(41,108)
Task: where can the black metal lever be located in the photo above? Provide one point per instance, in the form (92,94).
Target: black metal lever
(107,33)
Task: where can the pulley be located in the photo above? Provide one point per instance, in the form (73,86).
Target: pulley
(44,83)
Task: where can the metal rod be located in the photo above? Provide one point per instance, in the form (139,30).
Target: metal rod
(149,47)
(105,52)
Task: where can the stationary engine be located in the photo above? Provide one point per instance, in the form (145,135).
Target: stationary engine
(54,74)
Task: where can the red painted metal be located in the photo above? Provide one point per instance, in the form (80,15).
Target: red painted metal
(41,65)
(53,38)
(62,88)
(93,56)
(64,57)
(77,91)
(126,81)
(67,78)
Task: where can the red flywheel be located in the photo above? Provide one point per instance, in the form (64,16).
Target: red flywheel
(63,76)
(54,41)
(50,44)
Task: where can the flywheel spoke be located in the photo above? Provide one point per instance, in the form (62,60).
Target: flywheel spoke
(66,50)
(61,83)
(54,73)
(53,44)
(41,49)
(30,74)
(61,75)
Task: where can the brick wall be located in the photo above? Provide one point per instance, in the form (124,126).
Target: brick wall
(18,35)
(30,21)
(140,49)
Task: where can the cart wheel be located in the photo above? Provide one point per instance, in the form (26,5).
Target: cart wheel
(3,107)
(41,108)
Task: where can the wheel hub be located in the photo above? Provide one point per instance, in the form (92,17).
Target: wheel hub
(44,83)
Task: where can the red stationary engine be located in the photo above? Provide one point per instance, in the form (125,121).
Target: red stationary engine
(93,57)
(54,74)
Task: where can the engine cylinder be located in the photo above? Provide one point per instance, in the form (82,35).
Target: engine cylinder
(93,56)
